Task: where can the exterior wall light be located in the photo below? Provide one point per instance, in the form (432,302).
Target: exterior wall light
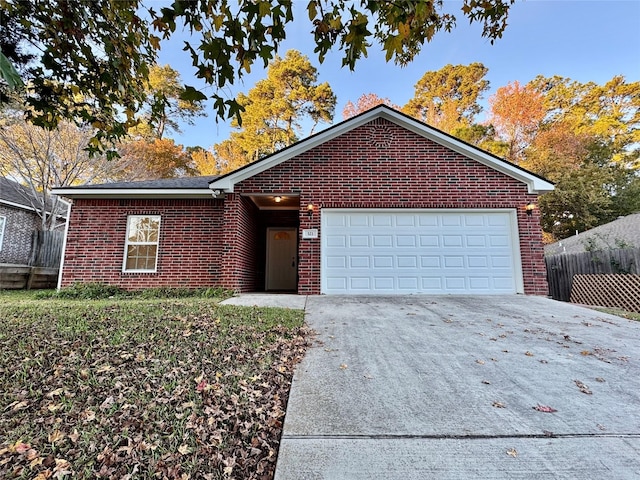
(278,199)
(530,208)
(310,208)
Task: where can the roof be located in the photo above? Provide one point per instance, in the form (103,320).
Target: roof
(17,195)
(203,187)
(623,232)
(535,183)
(186,187)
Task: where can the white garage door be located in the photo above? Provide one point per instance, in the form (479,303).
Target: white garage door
(420,251)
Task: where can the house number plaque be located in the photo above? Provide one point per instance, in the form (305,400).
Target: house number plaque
(310,233)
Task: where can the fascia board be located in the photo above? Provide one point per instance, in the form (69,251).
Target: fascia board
(132,193)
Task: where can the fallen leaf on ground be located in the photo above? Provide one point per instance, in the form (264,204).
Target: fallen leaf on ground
(544,408)
(585,353)
(481,362)
(528,353)
(600,379)
(498,404)
(343,366)
(512,452)
(486,382)
(583,388)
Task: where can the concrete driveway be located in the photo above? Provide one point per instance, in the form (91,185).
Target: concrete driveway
(444,387)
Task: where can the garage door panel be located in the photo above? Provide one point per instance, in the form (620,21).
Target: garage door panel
(336,240)
(418,252)
(336,261)
(477,261)
(359,262)
(360,283)
(429,241)
(382,261)
(405,261)
(385,241)
(452,241)
(406,241)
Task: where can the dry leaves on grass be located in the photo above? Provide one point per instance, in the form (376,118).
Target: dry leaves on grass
(118,391)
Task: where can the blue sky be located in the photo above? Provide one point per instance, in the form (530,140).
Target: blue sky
(585,40)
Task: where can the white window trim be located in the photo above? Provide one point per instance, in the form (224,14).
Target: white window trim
(3,224)
(127,243)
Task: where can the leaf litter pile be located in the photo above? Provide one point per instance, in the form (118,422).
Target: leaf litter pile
(144,389)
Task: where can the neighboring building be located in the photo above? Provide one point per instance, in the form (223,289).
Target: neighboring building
(380,203)
(621,233)
(18,220)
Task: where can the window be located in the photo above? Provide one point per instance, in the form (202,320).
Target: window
(3,220)
(141,245)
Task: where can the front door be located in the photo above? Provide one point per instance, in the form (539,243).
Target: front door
(282,259)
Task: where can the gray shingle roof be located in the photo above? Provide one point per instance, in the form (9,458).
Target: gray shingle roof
(13,192)
(19,194)
(164,183)
(625,230)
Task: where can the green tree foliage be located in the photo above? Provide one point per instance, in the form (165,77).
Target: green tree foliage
(164,107)
(588,144)
(448,98)
(275,109)
(94,55)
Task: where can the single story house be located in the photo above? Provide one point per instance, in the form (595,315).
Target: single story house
(378,204)
(623,232)
(19,219)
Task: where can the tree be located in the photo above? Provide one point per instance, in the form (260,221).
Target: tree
(516,112)
(587,143)
(164,107)
(204,161)
(156,158)
(365,102)
(275,108)
(94,55)
(43,159)
(448,98)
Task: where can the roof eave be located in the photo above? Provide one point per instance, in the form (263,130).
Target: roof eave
(120,193)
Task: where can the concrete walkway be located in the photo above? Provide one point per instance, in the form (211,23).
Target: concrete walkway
(444,387)
(296,302)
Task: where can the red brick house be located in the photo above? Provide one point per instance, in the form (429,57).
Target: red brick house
(380,203)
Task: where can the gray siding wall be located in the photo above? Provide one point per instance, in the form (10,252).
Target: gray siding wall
(16,246)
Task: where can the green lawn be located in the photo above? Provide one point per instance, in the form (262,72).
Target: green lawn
(620,313)
(150,388)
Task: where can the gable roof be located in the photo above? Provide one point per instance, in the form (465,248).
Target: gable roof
(624,230)
(187,187)
(535,183)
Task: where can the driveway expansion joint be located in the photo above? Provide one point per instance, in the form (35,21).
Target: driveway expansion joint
(460,437)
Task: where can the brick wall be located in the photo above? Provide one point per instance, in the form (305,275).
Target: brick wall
(220,243)
(190,250)
(381,165)
(18,232)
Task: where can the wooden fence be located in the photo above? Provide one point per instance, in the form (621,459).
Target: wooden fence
(46,249)
(561,268)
